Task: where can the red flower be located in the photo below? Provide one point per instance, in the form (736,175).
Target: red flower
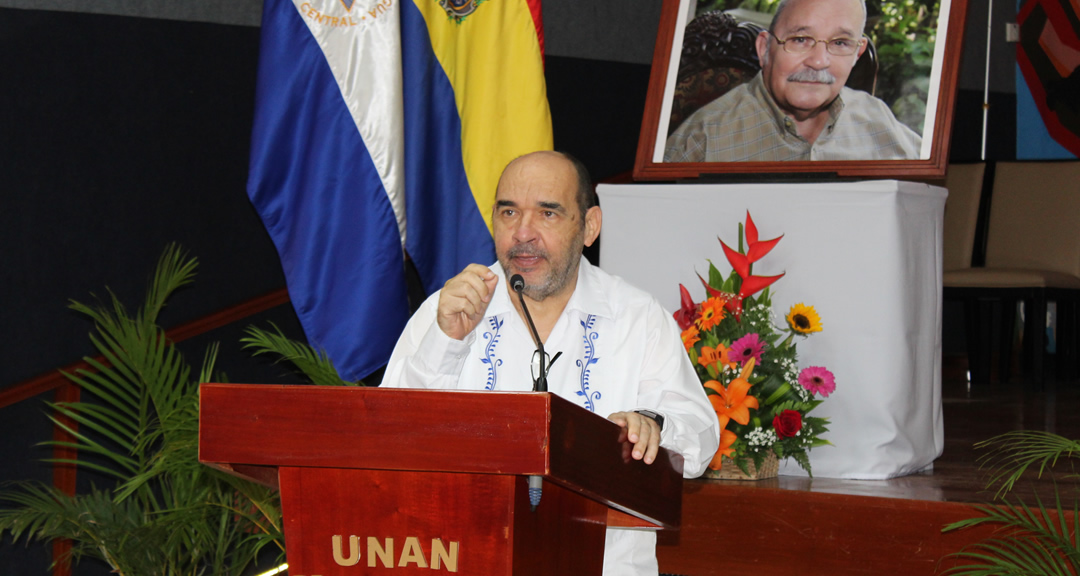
(787,423)
(689,313)
(756,250)
(741,263)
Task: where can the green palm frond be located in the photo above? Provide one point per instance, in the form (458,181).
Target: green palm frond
(1027,540)
(313,364)
(174,270)
(98,526)
(1012,454)
(206,374)
(168,513)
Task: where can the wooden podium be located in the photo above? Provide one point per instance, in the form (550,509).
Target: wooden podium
(426,480)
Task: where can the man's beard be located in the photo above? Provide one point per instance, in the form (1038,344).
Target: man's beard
(813,76)
(560,270)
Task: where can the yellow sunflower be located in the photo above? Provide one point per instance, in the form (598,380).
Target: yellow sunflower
(804,319)
(712,312)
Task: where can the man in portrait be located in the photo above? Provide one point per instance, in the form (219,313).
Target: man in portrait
(797,107)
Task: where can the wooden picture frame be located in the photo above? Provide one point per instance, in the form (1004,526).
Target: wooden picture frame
(649,164)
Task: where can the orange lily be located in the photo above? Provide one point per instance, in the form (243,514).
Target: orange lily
(723,352)
(727,438)
(690,336)
(719,389)
(734,402)
(717,356)
(709,356)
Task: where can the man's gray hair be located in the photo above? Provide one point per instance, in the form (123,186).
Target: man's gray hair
(784,3)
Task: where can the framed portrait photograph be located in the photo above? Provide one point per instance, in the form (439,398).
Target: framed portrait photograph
(839,89)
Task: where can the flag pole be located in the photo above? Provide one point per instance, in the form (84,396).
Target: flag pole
(986,75)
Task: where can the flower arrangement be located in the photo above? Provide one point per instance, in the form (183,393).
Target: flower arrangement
(748,365)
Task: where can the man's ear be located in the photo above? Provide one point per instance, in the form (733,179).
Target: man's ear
(762,45)
(593,219)
(862,49)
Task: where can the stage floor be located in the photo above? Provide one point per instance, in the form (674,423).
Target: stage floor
(972,414)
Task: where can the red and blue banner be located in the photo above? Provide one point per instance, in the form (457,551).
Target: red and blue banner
(1048,80)
(382,127)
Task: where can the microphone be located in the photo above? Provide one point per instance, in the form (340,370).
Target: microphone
(518,284)
(536,483)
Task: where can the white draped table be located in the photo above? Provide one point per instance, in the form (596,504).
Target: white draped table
(866,255)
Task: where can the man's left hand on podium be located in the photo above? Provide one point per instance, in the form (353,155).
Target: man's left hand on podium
(643,432)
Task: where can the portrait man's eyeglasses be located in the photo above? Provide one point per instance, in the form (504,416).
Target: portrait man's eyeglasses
(839,46)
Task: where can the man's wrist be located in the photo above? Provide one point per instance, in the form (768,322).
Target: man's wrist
(441,354)
(656,417)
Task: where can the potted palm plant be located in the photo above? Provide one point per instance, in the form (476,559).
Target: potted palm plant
(1028,540)
(166,513)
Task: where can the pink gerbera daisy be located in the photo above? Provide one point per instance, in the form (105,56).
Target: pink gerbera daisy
(745,348)
(817,380)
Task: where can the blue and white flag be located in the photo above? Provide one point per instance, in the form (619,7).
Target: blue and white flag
(365,144)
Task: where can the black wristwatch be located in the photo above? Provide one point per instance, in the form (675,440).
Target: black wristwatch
(656,416)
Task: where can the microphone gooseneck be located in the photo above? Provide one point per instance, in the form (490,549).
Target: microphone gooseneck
(536,483)
(518,284)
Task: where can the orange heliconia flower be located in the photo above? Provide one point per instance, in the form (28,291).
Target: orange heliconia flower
(712,312)
(727,438)
(690,336)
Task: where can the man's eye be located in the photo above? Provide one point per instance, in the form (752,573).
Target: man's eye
(842,42)
(800,40)
(549,214)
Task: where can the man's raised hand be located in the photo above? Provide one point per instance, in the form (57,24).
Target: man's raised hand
(464,299)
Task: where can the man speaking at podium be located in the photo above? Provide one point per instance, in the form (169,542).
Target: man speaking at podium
(611,348)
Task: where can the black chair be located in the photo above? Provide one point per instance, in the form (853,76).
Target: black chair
(1032,256)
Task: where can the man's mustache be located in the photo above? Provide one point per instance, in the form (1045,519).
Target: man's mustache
(812,76)
(526,250)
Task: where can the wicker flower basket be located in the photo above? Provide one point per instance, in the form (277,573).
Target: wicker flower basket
(729,471)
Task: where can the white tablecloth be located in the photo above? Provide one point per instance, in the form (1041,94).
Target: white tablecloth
(866,255)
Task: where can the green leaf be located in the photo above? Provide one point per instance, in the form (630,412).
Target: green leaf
(311,363)
(168,514)
(716,280)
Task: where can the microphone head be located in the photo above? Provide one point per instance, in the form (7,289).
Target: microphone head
(517,282)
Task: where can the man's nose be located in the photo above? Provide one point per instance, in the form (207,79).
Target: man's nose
(818,58)
(525,231)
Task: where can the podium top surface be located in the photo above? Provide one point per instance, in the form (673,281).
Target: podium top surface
(516,433)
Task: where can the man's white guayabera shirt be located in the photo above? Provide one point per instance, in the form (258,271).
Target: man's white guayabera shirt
(621,351)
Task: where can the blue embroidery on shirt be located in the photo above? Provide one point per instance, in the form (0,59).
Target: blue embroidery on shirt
(589,359)
(489,352)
